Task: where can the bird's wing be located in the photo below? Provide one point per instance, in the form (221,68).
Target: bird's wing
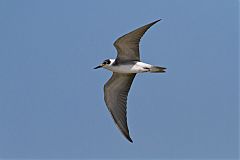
(115,96)
(128,45)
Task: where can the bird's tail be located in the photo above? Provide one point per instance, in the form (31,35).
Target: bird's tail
(157,69)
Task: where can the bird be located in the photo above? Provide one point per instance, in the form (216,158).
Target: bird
(125,67)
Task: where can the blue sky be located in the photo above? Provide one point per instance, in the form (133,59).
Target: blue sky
(51,99)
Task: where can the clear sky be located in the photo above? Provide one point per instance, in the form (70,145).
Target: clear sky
(51,99)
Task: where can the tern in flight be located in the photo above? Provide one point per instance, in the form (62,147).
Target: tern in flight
(124,68)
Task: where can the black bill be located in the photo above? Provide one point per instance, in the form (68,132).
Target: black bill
(97,67)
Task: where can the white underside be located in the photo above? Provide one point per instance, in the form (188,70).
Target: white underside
(138,67)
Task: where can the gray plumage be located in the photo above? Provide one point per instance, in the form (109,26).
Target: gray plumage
(115,95)
(117,88)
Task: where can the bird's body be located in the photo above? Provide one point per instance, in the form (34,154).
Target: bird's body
(124,68)
(129,67)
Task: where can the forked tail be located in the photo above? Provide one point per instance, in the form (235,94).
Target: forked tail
(157,69)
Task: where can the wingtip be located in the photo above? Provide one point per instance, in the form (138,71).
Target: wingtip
(130,140)
(156,21)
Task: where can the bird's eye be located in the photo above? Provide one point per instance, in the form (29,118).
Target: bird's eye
(104,63)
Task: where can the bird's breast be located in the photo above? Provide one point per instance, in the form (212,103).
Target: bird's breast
(127,68)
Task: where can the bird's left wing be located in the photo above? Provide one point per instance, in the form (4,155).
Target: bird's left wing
(128,45)
(115,96)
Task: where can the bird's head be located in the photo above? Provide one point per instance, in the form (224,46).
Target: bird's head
(105,63)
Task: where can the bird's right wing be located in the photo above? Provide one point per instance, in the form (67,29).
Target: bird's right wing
(128,45)
(115,96)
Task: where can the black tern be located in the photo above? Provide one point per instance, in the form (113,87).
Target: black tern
(124,68)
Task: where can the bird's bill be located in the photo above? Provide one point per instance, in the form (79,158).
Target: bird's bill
(100,66)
